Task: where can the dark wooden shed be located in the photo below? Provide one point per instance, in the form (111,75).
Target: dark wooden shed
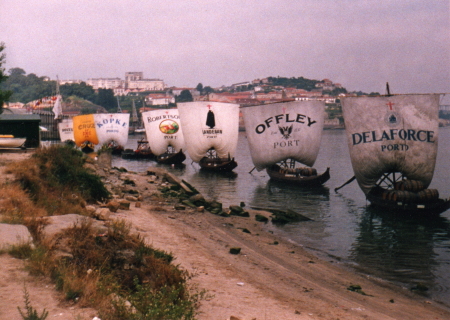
(22,126)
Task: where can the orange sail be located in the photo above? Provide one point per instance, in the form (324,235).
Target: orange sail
(84,129)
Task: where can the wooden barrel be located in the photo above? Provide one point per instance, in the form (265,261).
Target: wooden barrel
(428,195)
(409,185)
(307,172)
(406,196)
(389,195)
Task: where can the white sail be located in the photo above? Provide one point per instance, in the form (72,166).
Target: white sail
(392,134)
(208,124)
(163,129)
(57,108)
(280,131)
(65,128)
(112,127)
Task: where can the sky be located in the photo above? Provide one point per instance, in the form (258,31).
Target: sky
(361,44)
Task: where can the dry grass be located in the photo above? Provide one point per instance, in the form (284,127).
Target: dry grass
(103,271)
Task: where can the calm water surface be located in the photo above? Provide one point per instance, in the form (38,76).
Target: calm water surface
(403,250)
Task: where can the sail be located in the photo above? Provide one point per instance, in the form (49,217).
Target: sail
(65,128)
(280,131)
(207,125)
(57,107)
(112,127)
(392,134)
(84,129)
(163,129)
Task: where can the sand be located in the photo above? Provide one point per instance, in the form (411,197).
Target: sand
(269,279)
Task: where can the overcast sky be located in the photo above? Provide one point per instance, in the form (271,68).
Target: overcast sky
(361,44)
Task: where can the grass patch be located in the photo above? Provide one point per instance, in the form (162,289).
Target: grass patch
(115,272)
(56,179)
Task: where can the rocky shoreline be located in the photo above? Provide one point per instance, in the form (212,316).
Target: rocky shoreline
(247,272)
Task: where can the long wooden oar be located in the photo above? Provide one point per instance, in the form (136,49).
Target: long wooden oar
(350,180)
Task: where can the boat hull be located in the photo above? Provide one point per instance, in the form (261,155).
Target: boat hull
(217,164)
(171,158)
(306,181)
(12,142)
(432,207)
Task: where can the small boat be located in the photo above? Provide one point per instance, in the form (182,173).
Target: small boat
(104,129)
(393,141)
(9,141)
(164,135)
(211,132)
(65,129)
(284,138)
(142,151)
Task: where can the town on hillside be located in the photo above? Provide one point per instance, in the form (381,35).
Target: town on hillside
(155,94)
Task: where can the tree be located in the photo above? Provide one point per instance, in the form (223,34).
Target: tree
(106,99)
(4,95)
(199,88)
(185,96)
(208,89)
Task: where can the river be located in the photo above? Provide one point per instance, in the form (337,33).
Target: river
(404,250)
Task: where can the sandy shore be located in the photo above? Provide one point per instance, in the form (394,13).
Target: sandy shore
(269,279)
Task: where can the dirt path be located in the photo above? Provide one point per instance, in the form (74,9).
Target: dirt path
(270,279)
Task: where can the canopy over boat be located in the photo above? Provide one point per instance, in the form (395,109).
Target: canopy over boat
(65,128)
(163,129)
(84,129)
(207,125)
(280,131)
(392,134)
(112,127)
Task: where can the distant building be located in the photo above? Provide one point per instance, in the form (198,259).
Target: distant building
(105,83)
(134,81)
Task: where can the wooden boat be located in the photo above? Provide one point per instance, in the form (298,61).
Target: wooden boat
(104,129)
(142,151)
(164,135)
(284,138)
(211,132)
(9,141)
(393,143)
(65,129)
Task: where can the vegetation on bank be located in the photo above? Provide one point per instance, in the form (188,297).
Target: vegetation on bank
(112,270)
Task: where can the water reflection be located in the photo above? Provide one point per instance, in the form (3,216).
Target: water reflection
(401,248)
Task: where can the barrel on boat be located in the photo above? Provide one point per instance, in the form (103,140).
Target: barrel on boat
(399,195)
(428,195)
(409,185)
(306,171)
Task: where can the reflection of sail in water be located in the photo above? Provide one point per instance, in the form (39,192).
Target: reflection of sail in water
(402,249)
(309,202)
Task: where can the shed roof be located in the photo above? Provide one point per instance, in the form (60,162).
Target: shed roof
(20,117)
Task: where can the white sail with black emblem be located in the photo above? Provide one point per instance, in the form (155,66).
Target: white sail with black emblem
(163,130)
(112,127)
(288,130)
(392,134)
(207,125)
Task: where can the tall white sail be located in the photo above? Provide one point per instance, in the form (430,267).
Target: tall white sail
(392,134)
(65,128)
(112,127)
(57,107)
(280,131)
(208,124)
(163,129)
